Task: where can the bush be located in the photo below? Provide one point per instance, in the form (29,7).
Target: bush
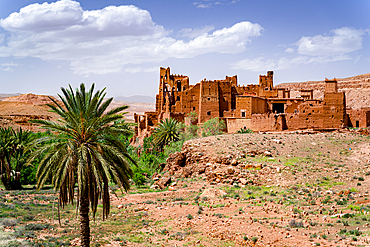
(36,227)
(8,222)
(244,131)
(295,224)
(254,239)
(214,126)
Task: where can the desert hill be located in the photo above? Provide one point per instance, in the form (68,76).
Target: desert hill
(357,89)
(15,111)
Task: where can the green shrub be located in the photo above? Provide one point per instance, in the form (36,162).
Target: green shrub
(214,126)
(244,131)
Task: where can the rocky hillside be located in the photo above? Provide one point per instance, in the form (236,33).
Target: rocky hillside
(357,89)
(30,98)
(15,111)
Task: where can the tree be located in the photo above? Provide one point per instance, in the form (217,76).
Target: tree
(84,150)
(166,133)
(13,156)
(214,126)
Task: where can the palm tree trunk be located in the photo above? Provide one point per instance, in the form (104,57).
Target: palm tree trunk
(84,221)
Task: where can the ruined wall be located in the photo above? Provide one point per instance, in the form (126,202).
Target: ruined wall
(359,118)
(307,94)
(258,122)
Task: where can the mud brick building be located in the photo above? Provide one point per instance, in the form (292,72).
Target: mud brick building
(259,107)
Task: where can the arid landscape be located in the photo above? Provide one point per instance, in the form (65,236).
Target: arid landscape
(272,189)
(291,188)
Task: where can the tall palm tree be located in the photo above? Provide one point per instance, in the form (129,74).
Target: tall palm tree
(166,132)
(84,150)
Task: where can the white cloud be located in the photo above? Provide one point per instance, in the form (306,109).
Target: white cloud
(263,64)
(311,50)
(107,40)
(194,32)
(10,64)
(343,40)
(7,69)
(289,50)
(205,4)
(134,70)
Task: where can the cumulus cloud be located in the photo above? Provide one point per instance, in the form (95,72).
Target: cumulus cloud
(311,50)
(342,40)
(107,40)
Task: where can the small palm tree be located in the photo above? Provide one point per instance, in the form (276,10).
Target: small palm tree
(13,156)
(84,150)
(166,132)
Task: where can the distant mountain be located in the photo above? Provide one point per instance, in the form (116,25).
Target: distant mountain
(136,98)
(6,95)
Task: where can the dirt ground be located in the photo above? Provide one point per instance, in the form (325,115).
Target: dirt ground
(313,191)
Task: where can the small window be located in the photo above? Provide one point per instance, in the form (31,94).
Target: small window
(184,106)
(208,113)
(178,98)
(243,113)
(193,108)
(183,89)
(266,88)
(209,98)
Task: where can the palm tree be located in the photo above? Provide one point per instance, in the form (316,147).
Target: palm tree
(13,155)
(84,150)
(6,150)
(166,132)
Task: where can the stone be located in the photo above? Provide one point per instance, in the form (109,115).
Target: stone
(234,162)
(277,141)
(212,193)
(267,153)
(163,182)
(230,170)
(155,187)
(243,181)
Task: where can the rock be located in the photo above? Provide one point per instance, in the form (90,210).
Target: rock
(243,181)
(212,193)
(154,187)
(267,153)
(176,159)
(156,176)
(234,162)
(171,188)
(277,141)
(163,182)
(120,206)
(230,170)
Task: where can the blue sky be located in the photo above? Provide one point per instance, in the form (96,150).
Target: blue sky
(121,44)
